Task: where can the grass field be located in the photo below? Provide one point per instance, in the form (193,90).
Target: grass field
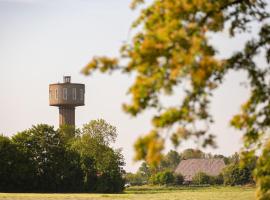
(149,193)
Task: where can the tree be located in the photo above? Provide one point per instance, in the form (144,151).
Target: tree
(201,178)
(93,145)
(237,175)
(192,153)
(262,174)
(170,161)
(42,159)
(178,179)
(171,49)
(145,171)
(55,168)
(163,178)
(16,173)
(134,179)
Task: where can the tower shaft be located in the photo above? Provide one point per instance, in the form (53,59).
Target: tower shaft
(66,115)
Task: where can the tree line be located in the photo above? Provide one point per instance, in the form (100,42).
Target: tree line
(42,159)
(235,173)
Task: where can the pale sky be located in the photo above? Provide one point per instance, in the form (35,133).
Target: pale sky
(42,40)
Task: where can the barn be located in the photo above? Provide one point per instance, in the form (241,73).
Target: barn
(190,167)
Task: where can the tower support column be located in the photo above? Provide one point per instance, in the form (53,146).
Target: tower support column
(66,115)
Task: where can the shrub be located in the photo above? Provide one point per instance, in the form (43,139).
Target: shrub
(201,178)
(178,179)
(235,175)
(216,180)
(134,179)
(163,178)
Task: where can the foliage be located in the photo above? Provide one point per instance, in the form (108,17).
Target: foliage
(201,178)
(163,178)
(42,159)
(171,49)
(55,167)
(149,147)
(100,131)
(192,153)
(234,174)
(217,180)
(16,171)
(170,161)
(262,173)
(135,179)
(145,170)
(94,142)
(178,179)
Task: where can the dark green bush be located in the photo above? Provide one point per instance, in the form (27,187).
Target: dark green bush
(163,178)
(201,178)
(134,179)
(178,179)
(235,175)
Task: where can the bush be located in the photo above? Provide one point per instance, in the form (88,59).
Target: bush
(235,175)
(216,180)
(201,178)
(134,179)
(163,178)
(178,179)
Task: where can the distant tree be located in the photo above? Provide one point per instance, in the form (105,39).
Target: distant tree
(56,168)
(170,161)
(68,133)
(94,142)
(145,171)
(217,180)
(163,178)
(236,175)
(192,153)
(16,172)
(100,131)
(42,159)
(178,179)
(201,178)
(234,159)
(225,159)
(135,179)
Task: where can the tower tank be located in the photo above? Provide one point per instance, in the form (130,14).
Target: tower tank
(66,96)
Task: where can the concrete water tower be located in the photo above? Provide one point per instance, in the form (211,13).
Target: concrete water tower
(66,96)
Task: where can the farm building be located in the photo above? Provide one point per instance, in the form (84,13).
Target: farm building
(190,167)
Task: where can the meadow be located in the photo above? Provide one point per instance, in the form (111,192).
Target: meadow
(149,193)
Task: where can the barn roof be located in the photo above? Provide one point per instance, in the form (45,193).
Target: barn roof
(188,168)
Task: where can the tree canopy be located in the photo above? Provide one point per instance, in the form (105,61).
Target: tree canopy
(171,49)
(42,159)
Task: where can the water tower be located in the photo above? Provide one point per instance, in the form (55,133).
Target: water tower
(66,96)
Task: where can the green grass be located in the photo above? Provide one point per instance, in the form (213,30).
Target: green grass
(149,193)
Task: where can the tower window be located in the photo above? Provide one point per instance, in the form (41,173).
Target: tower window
(74,93)
(50,94)
(56,94)
(65,93)
(81,94)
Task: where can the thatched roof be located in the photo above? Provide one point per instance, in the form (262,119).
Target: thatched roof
(188,168)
